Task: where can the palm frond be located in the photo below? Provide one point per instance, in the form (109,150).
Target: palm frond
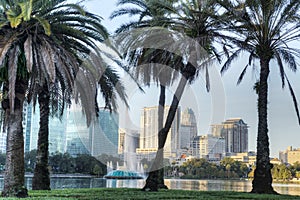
(12,70)
(281,69)
(242,75)
(229,61)
(28,53)
(5,45)
(294,98)
(288,58)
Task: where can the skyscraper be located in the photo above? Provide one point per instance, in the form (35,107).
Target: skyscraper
(30,125)
(235,132)
(104,133)
(211,147)
(27,117)
(77,132)
(149,131)
(188,128)
(31,119)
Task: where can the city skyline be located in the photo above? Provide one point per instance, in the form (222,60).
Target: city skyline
(240,101)
(79,138)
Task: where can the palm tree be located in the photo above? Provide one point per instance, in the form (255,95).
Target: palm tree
(193,20)
(14,166)
(91,70)
(95,72)
(150,64)
(54,37)
(196,20)
(266,30)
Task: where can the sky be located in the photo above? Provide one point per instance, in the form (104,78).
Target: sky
(225,100)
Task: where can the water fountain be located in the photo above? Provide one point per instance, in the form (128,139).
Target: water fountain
(109,166)
(131,169)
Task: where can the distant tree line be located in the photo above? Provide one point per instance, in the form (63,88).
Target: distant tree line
(228,168)
(61,163)
(283,172)
(202,169)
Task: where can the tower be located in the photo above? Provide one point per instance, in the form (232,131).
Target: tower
(149,131)
(188,128)
(235,132)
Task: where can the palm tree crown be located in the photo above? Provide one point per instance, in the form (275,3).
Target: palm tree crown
(51,34)
(266,30)
(42,45)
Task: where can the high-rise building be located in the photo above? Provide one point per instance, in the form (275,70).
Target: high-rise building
(128,143)
(27,117)
(104,133)
(128,140)
(121,141)
(31,119)
(196,147)
(211,147)
(188,128)
(56,130)
(290,155)
(26,123)
(235,132)
(216,130)
(76,132)
(149,132)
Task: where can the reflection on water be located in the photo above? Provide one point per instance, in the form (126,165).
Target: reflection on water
(209,185)
(203,185)
(291,189)
(130,183)
(227,185)
(69,182)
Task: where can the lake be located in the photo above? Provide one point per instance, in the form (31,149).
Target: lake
(184,184)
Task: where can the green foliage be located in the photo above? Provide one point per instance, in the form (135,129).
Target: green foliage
(64,163)
(125,193)
(30,160)
(201,168)
(89,165)
(2,162)
(281,172)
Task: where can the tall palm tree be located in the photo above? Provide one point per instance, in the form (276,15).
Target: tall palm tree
(151,65)
(194,21)
(54,36)
(96,75)
(266,30)
(14,175)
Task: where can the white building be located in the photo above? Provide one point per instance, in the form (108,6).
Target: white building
(188,128)
(149,132)
(211,147)
(235,132)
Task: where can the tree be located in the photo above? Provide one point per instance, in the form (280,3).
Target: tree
(39,37)
(182,21)
(264,29)
(149,64)
(194,20)
(30,160)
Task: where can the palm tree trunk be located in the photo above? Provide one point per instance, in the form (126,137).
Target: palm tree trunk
(262,182)
(41,178)
(14,177)
(152,180)
(161,109)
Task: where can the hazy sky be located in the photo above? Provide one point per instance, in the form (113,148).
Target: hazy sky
(238,101)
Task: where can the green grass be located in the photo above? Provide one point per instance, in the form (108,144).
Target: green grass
(135,194)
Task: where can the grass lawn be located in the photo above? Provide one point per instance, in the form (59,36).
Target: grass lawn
(124,193)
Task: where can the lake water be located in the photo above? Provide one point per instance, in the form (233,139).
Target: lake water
(203,185)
